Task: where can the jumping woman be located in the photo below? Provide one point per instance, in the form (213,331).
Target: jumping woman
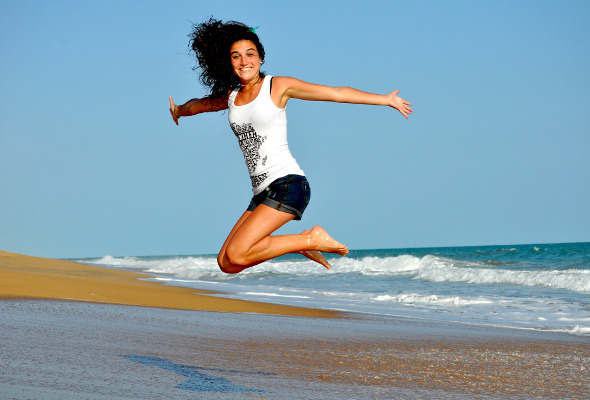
(229,56)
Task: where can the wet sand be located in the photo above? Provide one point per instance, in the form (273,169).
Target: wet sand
(56,349)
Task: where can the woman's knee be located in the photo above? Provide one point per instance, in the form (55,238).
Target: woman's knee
(236,255)
(226,265)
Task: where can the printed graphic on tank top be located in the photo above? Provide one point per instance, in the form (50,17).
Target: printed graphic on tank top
(250,143)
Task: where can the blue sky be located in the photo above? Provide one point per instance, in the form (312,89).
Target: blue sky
(496,152)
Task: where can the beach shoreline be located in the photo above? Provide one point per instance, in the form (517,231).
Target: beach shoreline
(44,278)
(179,344)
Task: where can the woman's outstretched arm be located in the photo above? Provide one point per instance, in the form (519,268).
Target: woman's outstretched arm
(196,106)
(285,88)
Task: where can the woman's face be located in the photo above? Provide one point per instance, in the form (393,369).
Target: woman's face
(245,60)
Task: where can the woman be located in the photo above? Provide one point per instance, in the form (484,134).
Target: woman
(229,56)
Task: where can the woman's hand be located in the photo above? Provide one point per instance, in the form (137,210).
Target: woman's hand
(173,111)
(399,104)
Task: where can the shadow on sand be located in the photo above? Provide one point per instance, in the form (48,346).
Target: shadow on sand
(197,380)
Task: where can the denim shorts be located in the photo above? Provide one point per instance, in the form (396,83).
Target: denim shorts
(289,194)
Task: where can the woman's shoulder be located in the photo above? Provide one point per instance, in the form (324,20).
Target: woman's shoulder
(282,83)
(280,78)
(281,86)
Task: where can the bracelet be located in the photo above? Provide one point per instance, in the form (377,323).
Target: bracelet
(174,112)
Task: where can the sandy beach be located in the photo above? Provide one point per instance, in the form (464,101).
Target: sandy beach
(70,331)
(42,278)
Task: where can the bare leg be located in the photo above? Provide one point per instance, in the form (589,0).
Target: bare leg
(221,257)
(250,242)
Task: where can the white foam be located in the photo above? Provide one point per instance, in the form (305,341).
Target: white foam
(413,298)
(274,295)
(438,269)
(430,268)
(377,266)
(180,267)
(116,261)
(581,330)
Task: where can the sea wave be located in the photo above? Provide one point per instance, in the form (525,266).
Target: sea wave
(397,265)
(430,268)
(580,330)
(186,267)
(412,298)
(438,269)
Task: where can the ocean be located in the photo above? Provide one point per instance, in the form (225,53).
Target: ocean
(544,287)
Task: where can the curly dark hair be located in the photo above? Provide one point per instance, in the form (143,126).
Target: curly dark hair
(211,42)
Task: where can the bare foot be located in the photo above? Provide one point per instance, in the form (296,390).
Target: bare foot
(320,239)
(315,255)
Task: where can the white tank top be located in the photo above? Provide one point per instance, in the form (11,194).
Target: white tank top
(261,129)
